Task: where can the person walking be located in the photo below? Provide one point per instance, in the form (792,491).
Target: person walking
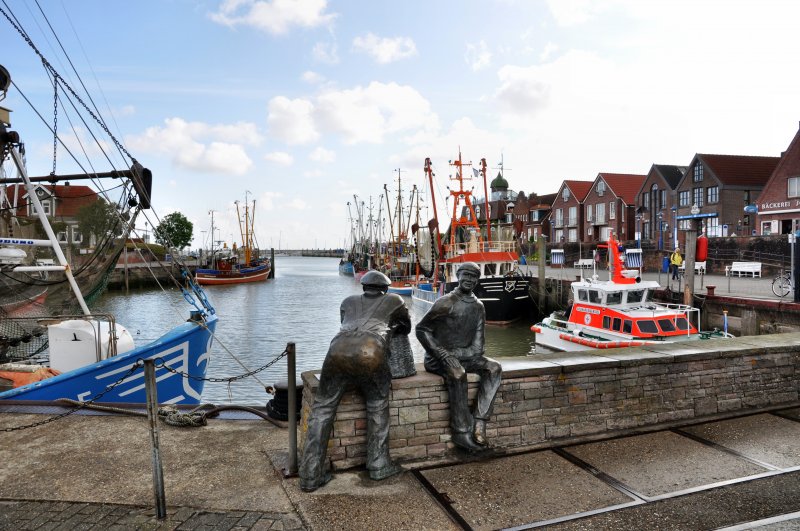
(675,261)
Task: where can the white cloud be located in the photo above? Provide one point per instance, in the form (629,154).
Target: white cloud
(326,52)
(312,78)
(367,114)
(298,204)
(522,89)
(383,49)
(549,49)
(478,56)
(291,120)
(193,145)
(574,12)
(276,16)
(266,200)
(279,157)
(313,173)
(322,155)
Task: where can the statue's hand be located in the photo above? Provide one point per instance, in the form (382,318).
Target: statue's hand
(451,362)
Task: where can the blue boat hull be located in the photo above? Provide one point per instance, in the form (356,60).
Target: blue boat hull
(185,348)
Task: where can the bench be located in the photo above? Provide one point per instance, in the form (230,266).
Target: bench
(739,269)
(699,268)
(584,263)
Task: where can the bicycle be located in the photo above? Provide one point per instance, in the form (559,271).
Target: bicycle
(783,284)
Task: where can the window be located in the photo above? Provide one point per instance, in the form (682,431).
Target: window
(794,187)
(77,235)
(766,228)
(683,198)
(477,212)
(713,228)
(601,187)
(712,194)
(509,217)
(606,322)
(646,199)
(559,236)
(565,194)
(697,196)
(684,224)
(647,327)
(627,326)
(594,296)
(613,297)
(573,215)
(617,324)
(490,270)
(698,173)
(572,235)
(583,295)
(681,323)
(666,325)
(636,295)
(600,210)
(662,199)
(612,210)
(589,216)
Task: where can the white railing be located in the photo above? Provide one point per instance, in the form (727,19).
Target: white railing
(475,247)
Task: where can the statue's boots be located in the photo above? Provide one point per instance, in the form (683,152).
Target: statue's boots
(382,473)
(464,440)
(312,485)
(479,433)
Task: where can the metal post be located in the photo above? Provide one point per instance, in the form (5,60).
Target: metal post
(152,417)
(691,242)
(795,271)
(542,251)
(292,385)
(126,268)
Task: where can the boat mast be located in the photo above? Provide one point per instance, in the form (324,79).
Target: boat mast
(213,256)
(466,195)
(429,173)
(488,211)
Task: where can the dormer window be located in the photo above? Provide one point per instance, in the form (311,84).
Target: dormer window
(601,187)
(565,194)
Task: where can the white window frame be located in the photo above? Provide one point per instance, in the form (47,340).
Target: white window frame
(612,210)
(793,187)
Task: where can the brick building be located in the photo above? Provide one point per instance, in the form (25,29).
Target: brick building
(566,213)
(655,201)
(721,186)
(609,206)
(779,201)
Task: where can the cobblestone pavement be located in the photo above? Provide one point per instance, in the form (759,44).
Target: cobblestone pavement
(44,516)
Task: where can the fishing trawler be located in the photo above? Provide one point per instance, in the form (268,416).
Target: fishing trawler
(237,266)
(51,344)
(501,287)
(617,313)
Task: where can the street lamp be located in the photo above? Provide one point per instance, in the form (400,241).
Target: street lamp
(660,232)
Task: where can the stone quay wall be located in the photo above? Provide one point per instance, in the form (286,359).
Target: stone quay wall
(556,399)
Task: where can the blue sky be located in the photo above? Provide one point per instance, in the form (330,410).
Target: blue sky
(305,103)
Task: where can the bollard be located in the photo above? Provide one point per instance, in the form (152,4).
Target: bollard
(290,366)
(152,417)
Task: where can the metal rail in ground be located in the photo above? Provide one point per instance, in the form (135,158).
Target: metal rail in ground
(637,498)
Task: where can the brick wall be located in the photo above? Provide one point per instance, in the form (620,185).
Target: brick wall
(560,398)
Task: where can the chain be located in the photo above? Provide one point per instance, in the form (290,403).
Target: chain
(58,77)
(138,364)
(55,124)
(159,364)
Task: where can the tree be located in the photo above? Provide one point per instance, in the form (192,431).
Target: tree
(99,218)
(174,231)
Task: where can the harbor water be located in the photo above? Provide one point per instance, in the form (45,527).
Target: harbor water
(300,305)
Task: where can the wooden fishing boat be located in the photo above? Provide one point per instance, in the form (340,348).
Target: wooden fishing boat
(618,313)
(237,266)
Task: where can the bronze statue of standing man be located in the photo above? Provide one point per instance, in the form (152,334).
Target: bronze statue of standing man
(452,333)
(358,355)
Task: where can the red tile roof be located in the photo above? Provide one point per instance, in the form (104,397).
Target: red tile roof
(624,185)
(579,188)
(740,170)
(69,199)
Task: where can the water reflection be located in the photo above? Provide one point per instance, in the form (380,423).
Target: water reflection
(257,320)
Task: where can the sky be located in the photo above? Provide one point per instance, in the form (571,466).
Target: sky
(301,105)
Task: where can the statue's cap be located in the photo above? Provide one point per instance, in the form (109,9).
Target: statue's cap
(375,278)
(469,266)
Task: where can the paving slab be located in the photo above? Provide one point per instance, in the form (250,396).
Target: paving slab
(107,459)
(351,501)
(521,489)
(659,463)
(766,438)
